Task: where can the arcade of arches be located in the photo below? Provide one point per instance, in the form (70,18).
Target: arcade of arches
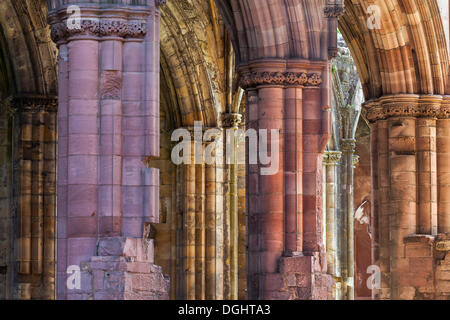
(93,207)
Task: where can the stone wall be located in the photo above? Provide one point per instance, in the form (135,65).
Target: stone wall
(424,273)
(5,204)
(122,270)
(363,214)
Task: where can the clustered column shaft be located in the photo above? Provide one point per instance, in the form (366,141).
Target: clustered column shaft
(35,180)
(331,160)
(284,207)
(409,157)
(108,129)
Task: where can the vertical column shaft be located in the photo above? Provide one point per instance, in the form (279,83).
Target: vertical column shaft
(443,168)
(284,205)
(427,176)
(35,151)
(331,160)
(348,148)
(200,232)
(210,224)
(234,226)
(383,205)
(293,168)
(402,192)
(108,127)
(189,227)
(110,145)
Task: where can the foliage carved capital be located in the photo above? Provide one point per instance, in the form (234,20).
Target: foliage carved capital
(255,79)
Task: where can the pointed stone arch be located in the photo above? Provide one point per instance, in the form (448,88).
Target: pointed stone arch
(408,54)
(191,46)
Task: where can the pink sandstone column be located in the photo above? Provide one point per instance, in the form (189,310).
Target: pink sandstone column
(284,209)
(409,148)
(108,130)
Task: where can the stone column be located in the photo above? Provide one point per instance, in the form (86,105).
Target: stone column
(214,231)
(331,160)
(202,243)
(231,122)
(108,130)
(35,196)
(242,216)
(443,178)
(286,257)
(347,219)
(409,191)
(6,203)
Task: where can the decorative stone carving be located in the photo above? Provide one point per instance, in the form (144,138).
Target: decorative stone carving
(355,161)
(334,10)
(100,28)
(34,104)
(231,120)
(443,245)
(254,79)
(332,158)
(382,110)
(111,85)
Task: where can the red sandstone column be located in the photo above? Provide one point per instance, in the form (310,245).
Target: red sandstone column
(108,128)
(409,168)
(443,167)
(284,208)
(293,171)
(110,145)
(402,195)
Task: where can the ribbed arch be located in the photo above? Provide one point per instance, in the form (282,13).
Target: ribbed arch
(408,54)
(193,57)
(32,54)
(276,29)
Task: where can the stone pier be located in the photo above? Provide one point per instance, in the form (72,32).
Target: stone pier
(108,129)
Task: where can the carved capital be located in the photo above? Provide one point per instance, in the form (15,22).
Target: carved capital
(404,106)
(99,28)
(348,145)
(34,104)
(100,21)
(334,10)
(332,158)
(443,245)
(255,79)
(231,120)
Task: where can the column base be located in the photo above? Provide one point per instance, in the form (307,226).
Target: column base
(300,278)
(424,270)
(123,270)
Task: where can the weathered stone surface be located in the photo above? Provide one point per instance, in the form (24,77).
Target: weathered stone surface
(108,83)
